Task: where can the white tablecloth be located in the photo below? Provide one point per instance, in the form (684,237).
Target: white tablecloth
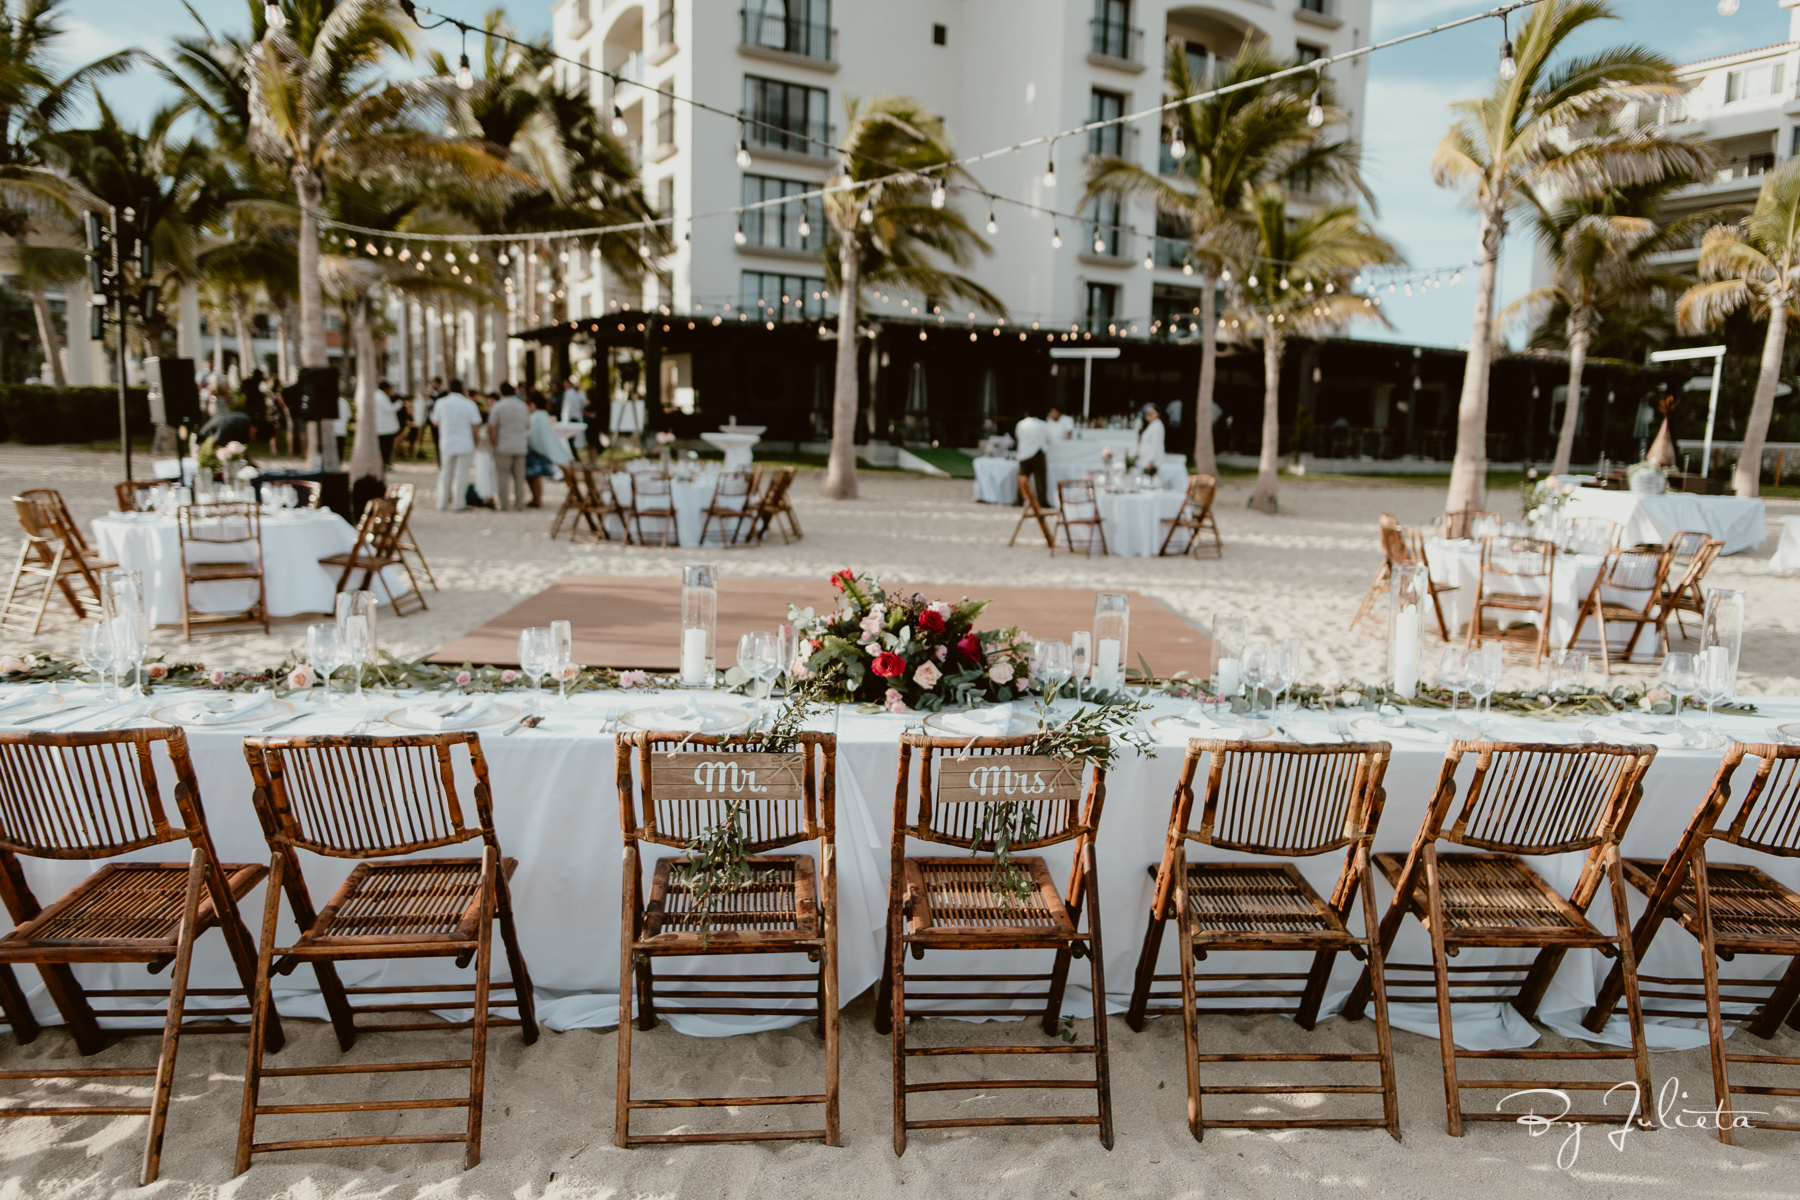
(1734,520)
(691,500)
(556,811)
(997,480)
(1458,564)
(1787,554)
(292,544)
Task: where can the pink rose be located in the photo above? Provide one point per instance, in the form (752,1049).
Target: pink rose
(927,676)
(1001,672)
(462,679)
(509,676)
(217,675)
(10,665)
(300,678)
(157,671)
(634,679)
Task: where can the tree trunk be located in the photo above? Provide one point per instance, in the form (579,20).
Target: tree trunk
(312,300)
(1268,467)
(1579,334)
(365,451)
(1756,430)
(1468,473)
(840,473)
(46,326)
(1206,460)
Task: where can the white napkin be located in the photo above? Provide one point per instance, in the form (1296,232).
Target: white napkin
(218,710)
(460,713)
(981,722)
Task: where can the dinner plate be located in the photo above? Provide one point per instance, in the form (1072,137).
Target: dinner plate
(1437,731)
(1223,729)
(495,714)
(265,711)
(675,717)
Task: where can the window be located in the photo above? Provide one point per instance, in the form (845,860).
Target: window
(779,225)
(1306,53)
(795,26)
(1102,304)
(939,35)
(1103,230)
(786,116)
(1108,139)
(1754,82)
(1112,28)
(776,297)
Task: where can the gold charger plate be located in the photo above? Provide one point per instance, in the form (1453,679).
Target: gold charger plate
(268,711)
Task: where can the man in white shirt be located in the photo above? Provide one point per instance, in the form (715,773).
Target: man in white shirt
(457,418)
(1150,441)
(509,428)
(387,421)
(1061,428)
(1033,435)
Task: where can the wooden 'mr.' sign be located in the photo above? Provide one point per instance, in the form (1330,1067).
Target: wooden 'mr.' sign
(742,776)
(992,777)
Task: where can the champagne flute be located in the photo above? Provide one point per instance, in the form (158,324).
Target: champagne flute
(562,635)
(98,651)
(1679,676)
(325,650)
(537,654)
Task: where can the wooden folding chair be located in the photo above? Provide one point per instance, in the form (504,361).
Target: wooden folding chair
(1686,595)
(1076,504)
(1032,511)
(376,548)
(373,799)
(1730,909)
(1458,526)
(1520,799)
(48,560)
(730,503)
(1279,801)
(403,495)
(1509,566)
(973,793)
(235,531)
(131,495)
(1196,516)
(652,497)
(91,796)
(688,784)
(1627,571)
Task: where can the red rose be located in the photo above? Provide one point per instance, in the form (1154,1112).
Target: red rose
(931,621)
(887,664)
(842,580)
(970,645)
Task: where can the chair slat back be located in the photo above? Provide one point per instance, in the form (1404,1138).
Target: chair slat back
(674,787)
(963,784)
(219,524)
(1768,817)
(88,795)
(367,797)
(1281,799)
(1534,799)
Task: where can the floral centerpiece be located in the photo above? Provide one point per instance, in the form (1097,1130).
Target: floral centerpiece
(906,652)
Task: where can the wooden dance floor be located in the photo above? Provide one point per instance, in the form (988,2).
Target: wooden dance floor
(629,622)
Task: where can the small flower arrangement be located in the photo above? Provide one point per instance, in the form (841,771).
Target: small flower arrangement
(906,653)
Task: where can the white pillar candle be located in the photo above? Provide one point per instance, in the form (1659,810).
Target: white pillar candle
(1406,651)
(1229,677)
(1106,665)
(693,657)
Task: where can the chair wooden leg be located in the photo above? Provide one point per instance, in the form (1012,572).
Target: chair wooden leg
(478,1023)
(1384,1033)
(1190,1024)
(1096,958)
(171,1036)
(1441,974)
(1146,972)
(260,1004)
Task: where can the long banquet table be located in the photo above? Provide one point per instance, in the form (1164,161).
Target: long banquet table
(557,812)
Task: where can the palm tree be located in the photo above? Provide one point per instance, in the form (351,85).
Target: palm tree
(1530,136)
(34,102)
(1755,264)
(889,235)
(1294,280)
(1601,250)
(1236,143)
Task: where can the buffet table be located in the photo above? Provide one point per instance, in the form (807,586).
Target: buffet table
(1736,521)
(557,812)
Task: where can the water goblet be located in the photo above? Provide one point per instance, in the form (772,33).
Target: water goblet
(325,651)
(1679,676)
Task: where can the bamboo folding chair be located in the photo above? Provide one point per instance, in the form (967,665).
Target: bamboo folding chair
(48,560)
(373,799)
(652,496)
(730,503)
(376,548)
(1730,909)
(1627,571)
(1521,800)
(1459,525)
(973,794)
(1278,801)
(91,796)
(1078,495)
(237,528)
(1032,511)
(689,784)
(132,494)
(1507,565)
(404,495)
(1196,516)
(1685,596)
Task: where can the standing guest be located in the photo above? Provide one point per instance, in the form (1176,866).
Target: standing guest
(387,421)
(509,427)
(546,452)
(1061,428)
(1033,436)
(456,418)
(1150,441)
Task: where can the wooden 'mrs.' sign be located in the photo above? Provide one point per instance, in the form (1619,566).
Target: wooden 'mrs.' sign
(704,776)
(1007,777)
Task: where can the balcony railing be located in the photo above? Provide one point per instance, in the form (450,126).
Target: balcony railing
(1119,140)
(1112,39)
(812,138)
(1107,241)
(774,31)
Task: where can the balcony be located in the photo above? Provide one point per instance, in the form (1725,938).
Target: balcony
(1106,245)
(808,139)
(1116,45)
(1323,13)
(787,39)
(1117,140)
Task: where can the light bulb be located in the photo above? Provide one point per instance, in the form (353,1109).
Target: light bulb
(743,154)
(1726,7)
(278,20)
(939,196)
(1177,147)
(993,225)
(1050,173)
(619,127)
(1508,68)
(805,226)
(465,78)
(1315,116)
(740,237)
(1055,238)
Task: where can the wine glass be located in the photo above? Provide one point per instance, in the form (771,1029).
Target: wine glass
(98,651)
(1288,663)
(1679,676)
(1256,671)
(1452,672)
(1081,646)
(562,634)
(537,654)
(325,650)
(1053,668)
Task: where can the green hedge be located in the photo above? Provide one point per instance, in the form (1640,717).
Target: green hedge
(41,416)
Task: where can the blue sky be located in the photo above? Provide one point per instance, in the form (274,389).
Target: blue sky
(1410,90)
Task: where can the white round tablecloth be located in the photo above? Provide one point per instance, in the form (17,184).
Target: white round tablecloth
(1787,554)
(1736,521)
(1458,565)
(691,500)
(292,544)
(996,480)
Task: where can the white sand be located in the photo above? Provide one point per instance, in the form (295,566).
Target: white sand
(550,1107)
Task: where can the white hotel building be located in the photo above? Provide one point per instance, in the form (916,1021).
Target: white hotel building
(996,71)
